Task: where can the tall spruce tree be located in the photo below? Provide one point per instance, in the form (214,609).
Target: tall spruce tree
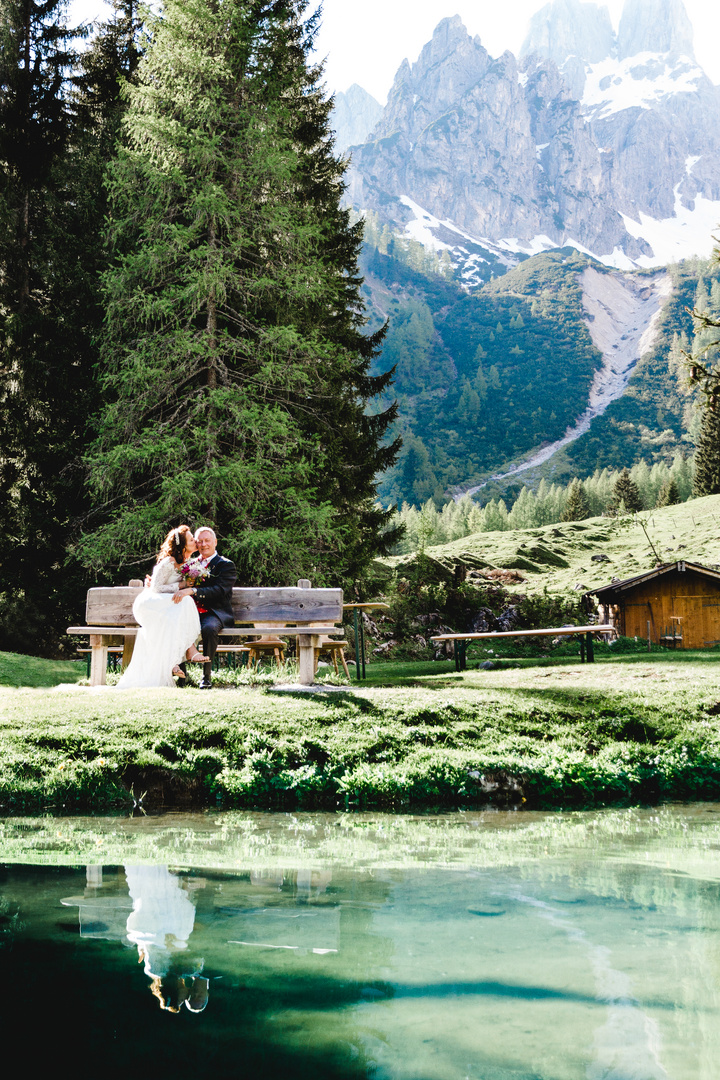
(626,494)
(668,494)
(45,325)
(577,507)
(706,480)
(233,356)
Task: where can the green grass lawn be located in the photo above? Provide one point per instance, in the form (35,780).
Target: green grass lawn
(17,670)
(533,732)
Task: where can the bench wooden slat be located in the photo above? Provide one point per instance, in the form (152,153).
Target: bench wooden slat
(112,606)
(556,631)
(230,631)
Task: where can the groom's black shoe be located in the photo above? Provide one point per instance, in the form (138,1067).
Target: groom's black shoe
(206,682)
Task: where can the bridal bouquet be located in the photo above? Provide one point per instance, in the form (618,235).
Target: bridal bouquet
(194,573)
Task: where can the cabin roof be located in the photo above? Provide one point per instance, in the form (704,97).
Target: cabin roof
(659,571)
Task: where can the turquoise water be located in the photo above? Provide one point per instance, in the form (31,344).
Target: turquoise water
(488,945)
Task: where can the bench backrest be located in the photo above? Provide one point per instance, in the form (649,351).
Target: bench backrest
(113,606)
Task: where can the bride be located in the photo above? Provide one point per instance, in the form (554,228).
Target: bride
(168,630)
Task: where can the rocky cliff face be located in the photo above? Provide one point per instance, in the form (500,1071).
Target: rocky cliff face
(607,142)
(354,116)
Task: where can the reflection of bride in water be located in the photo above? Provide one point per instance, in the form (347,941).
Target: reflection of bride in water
(160,925)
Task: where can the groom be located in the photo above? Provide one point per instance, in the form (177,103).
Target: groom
(213,598)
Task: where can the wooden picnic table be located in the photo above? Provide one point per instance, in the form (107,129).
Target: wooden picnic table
(585,634)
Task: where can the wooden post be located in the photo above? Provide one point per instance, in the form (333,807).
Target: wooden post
(307,644)
(98,664)
(128,648)
(306,649)
(589,648)
(648,626)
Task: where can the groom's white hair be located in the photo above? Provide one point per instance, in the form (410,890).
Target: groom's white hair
(207,529)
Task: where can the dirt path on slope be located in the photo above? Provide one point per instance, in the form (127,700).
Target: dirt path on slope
(622,314)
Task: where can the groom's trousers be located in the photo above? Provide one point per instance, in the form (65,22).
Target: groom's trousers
(210,627)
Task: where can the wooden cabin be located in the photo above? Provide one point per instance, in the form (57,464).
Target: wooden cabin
(677,605)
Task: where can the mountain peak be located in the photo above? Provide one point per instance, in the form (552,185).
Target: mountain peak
(449,35)
(655,26)
(565,28)
(355,114)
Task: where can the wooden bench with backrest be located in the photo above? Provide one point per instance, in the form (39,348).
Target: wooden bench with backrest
(306,614)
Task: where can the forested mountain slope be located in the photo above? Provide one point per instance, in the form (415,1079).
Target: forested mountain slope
(485,379)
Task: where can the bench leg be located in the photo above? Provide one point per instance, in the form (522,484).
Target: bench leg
(128,649)
(590,651)
(98,663)
(306,653)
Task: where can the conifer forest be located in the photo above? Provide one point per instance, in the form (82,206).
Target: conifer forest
(182,335)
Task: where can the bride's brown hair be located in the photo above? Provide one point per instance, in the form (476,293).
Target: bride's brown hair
(174,544)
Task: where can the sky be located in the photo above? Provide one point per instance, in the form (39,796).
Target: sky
(365,41)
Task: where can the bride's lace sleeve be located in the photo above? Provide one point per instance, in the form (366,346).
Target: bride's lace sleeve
(165,577)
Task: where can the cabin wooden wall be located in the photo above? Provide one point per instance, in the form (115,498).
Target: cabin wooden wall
(692,598)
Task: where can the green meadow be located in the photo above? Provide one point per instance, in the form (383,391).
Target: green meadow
(533,732)
(558,558)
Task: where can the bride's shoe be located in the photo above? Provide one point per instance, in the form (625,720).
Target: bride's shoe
(197,658)
(178,672)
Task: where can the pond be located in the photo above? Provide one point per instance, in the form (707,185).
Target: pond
(487,946)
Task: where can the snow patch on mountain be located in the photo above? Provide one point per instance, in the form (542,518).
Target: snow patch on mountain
(466,251)
(422,225)
(637,82)
(623,312)
(675,238)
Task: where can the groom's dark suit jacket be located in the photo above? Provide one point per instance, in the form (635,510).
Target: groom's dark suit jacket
(216,594)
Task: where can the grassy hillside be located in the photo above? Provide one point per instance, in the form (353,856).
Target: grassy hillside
(559,557)
(18,670)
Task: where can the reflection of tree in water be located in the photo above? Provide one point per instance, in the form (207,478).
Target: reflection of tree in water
(294,957)
(10,924)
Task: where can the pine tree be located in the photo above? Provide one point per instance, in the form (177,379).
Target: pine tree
(106,65)
(577,507)
(707,455)
(234,358)
(668,494)
(626,497)
(495,516)
(47,318)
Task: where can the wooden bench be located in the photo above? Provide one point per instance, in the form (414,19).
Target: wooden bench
(585,633)
(307,615)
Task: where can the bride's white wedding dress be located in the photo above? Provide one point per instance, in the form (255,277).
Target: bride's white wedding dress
(166,631)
